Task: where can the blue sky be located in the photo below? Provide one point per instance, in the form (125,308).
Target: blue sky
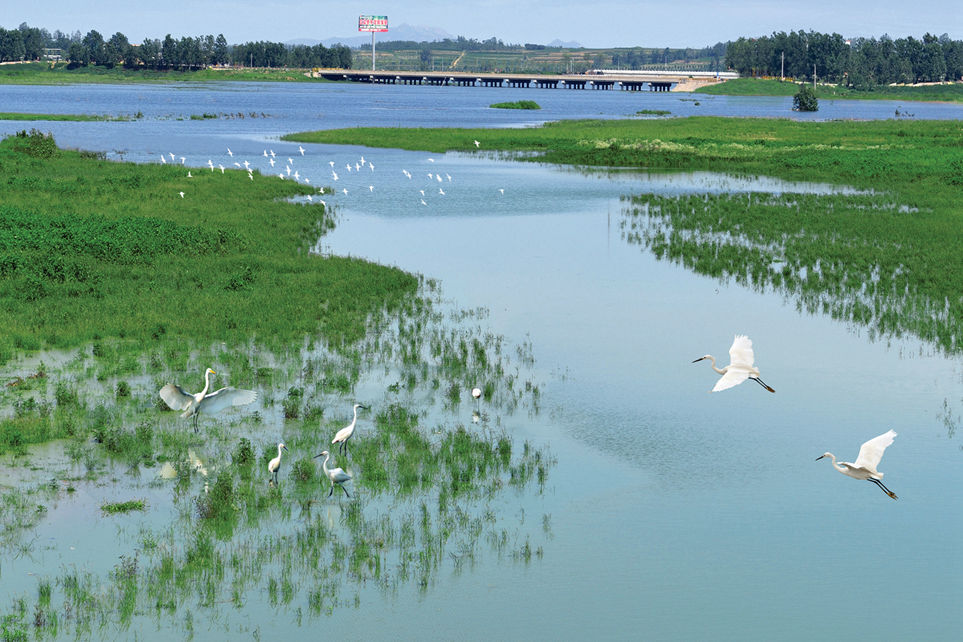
(593,23)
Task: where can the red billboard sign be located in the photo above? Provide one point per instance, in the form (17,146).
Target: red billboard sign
(373,23)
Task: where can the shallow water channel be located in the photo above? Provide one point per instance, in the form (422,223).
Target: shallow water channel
(668,513)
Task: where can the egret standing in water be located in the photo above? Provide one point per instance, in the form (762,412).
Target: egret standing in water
(275,464)
(336,475)
(203,402)
(866,462)
(740,368)
(342,436)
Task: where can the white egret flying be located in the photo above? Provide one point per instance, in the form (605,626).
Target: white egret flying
(866,461)
(336,475)
(203,402)
(740,368)
(301,149)
(342,436)
(275,464)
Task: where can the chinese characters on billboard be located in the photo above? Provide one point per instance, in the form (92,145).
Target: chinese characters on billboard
(373,23)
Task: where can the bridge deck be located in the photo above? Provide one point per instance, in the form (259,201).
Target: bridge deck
(630,81)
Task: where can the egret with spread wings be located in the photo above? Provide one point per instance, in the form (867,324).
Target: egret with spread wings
(740,367)
(866,462)
(203,402)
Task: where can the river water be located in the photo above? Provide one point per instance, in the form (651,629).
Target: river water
(675,514)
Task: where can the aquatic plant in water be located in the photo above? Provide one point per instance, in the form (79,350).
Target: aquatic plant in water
(824,251)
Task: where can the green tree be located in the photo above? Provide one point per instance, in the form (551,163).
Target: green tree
(117,49)
(150,52)
(11,45)
(805,99)
(96,48)
(32,42)
(221,54)
(169,51)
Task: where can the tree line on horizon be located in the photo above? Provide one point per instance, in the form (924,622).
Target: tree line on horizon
(861,63)
(29,43)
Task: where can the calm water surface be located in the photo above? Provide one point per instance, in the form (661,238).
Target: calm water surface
(675,513)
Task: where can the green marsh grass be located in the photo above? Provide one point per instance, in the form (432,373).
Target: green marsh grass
(134,261)
(420,489)
(948,92)
(910,229)
(113,508)
(517,104)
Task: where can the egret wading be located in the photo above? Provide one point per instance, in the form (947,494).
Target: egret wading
(866,461)
(342,436)
(336,475)
(275,464)
(203,402)
(740,368)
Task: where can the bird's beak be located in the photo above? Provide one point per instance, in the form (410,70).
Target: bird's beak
(318,455)
(820,457)
(698,360)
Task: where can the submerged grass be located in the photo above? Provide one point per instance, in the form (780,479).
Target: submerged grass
(911,230)
(67,117)
(112,508)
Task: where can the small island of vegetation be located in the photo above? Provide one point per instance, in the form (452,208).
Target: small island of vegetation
(517,104)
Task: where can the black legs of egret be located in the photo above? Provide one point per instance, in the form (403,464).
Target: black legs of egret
(882,487)
(343,448)
(342,488)
(762,383)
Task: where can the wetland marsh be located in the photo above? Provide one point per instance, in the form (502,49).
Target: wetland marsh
(595,451)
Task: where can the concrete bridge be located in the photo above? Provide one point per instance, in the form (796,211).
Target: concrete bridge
(598,80)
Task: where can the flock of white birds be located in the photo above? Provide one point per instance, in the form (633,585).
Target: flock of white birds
(741,366)
(427,184)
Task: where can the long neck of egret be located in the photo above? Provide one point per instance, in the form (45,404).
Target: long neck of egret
(832,458)
(207,382)
(713,360)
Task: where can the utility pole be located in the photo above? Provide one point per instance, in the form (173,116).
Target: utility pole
(372,51)
(814,76)
(782,66)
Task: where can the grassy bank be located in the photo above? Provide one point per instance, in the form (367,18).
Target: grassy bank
(47,74)
(92,249)
(951,92)
(908,230)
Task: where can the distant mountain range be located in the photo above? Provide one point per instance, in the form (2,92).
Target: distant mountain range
(416,33)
